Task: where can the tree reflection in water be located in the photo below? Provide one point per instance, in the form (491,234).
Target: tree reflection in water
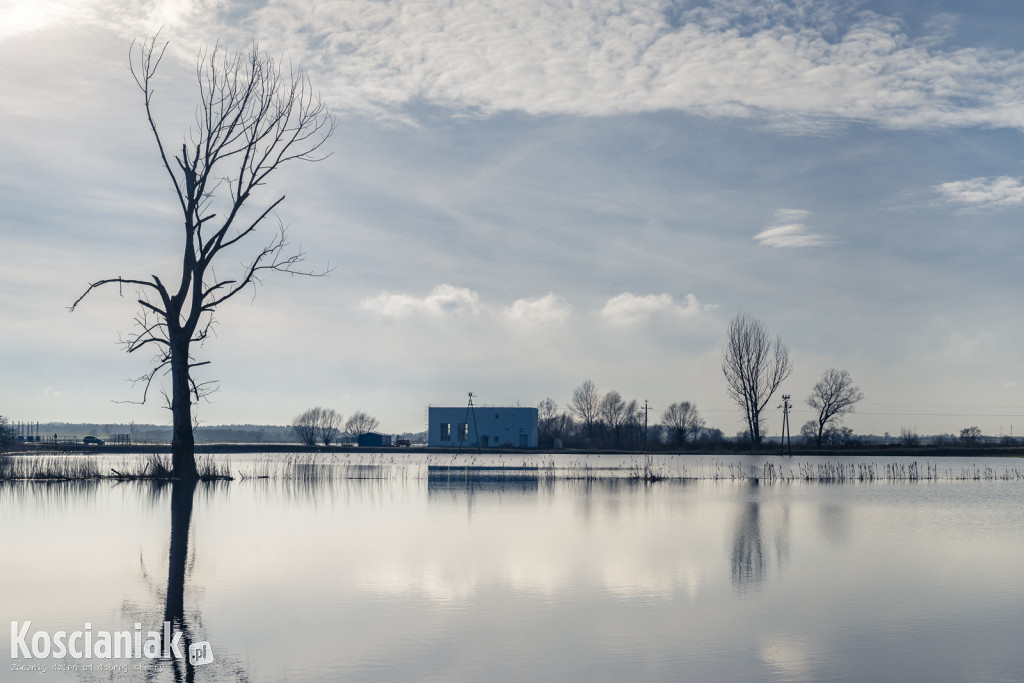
(749,557)
(182,495)
(178,569)
(748,564)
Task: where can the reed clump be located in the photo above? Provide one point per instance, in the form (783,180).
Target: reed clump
(646,471)
(150,466)
(47,468)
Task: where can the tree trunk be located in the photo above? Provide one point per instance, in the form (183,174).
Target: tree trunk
(183,445)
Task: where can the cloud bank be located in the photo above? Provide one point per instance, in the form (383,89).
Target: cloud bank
(444,300)
(801,65)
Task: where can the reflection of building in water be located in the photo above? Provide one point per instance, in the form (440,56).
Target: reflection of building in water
(453,481)
(482,427)
(461,484)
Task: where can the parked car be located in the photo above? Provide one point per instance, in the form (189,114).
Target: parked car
(92,441)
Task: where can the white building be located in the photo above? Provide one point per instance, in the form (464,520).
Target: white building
(482,427)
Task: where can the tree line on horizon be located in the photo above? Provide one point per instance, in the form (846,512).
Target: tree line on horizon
(608,421)
(323,426)
(754,367)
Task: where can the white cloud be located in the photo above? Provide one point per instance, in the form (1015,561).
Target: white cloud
(789,231)
(549,57)
(549,309)
(729,58)
(984,192)
(630,309)
(442,300)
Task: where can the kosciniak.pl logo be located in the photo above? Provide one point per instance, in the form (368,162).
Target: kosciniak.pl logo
(89,644)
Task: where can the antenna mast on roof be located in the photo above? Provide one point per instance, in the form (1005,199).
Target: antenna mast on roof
(470,409)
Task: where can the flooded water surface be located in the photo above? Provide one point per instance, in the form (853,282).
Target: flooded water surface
(406,573)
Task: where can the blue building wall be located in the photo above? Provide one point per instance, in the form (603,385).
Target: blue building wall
(482,427)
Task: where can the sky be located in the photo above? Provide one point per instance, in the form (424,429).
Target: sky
(525,194)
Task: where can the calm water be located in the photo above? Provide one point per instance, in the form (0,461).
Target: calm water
(413,577)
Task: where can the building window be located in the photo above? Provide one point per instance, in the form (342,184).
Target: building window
(446,431)
(463,431)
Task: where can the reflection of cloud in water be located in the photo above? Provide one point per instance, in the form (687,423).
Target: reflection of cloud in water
(526,535)
(637,580)
(789,656)
(454,584)
(433,582)
(834,522)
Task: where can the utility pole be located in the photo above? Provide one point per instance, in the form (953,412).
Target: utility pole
(786,405)
(646,408)
(470,409)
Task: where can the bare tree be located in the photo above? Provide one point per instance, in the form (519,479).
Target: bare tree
(547,421)
(754,366)
(833,397)
(307,426)
(809,431)
(553,426)
(682,421)
(584,405)
(970,435)
(360,423)
(253,116)
(632,432)
(614,414)
(327,426)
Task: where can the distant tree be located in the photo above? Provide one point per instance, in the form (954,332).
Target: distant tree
(682,420)
(561,428)
(838,435)
(8,435)
(754,366)
(360,423)
(632,430)
(584,405)
(612,411)
(810,431)
(970,435)
(909,437)
(252,116)
(307,426)
(327,426)
(834,396)
(549,422)
(709,437)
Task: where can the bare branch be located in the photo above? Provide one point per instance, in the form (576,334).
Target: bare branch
(121,281)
